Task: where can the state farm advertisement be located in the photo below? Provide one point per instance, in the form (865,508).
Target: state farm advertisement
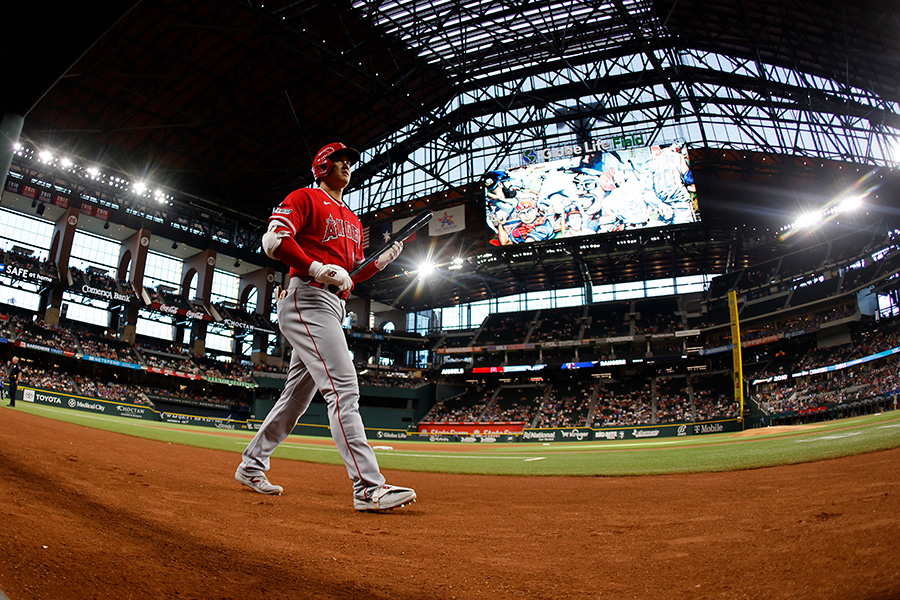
(473,429)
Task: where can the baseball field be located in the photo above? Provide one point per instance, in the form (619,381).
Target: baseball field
(103,507)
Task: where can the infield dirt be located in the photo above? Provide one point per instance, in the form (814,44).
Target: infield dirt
(91,514)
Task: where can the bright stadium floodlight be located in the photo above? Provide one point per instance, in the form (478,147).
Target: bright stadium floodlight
(849,204)
(810,219)
(426,269)
(45,156)
(139,188)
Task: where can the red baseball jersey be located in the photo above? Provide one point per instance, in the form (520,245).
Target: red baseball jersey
(324,228)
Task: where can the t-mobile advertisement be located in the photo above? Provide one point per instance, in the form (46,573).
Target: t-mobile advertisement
(591,193)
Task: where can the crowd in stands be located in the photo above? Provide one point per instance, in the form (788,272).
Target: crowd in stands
(672,401)
(714,397)
(170,362)
(513,404)
(834,388)
(660,316)
(107,348)
(862,344)
(621,407)
(193,396)
(851,384)
(225,370)
(567,405)
(43,334)
(110,390)
(386,380)
(53,379)
(465,407)
(48,379)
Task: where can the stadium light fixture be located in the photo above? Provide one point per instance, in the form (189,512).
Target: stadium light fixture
(849,204)
(426,269)
(139,188)
(809,219)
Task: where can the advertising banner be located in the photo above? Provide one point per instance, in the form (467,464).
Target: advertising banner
(33,346)
(94,405)
(233,382)
(174,373)
(467,429)
(25,274)
(231,424)
(111,361)
(182,312)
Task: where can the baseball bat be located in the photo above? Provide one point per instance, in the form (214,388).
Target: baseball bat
(417,223)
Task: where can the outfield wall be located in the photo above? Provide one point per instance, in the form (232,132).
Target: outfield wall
(513,432)
(315,422)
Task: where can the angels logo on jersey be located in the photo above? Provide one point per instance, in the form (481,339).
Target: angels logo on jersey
(337,228)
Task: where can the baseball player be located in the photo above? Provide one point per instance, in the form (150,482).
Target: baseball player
(319,237)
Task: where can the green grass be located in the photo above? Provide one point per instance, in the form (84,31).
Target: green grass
(717,452)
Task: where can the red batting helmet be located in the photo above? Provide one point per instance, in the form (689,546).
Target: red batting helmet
(322,164)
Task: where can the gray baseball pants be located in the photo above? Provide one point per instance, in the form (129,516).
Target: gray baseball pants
(310,319)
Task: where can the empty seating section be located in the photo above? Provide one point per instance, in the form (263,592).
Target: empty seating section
(559,324)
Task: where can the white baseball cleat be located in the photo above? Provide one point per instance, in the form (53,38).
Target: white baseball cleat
(385,498)
(258,483)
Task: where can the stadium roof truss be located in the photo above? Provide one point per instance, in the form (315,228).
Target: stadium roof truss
(537,74)
(232,97)
(225,101)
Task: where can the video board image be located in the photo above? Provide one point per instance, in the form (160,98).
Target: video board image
(597,193)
